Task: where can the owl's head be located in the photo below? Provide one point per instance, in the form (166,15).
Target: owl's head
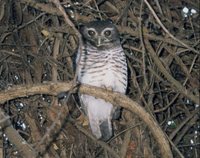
(101,33)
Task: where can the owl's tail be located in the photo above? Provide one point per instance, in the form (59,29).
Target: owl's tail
(106,130)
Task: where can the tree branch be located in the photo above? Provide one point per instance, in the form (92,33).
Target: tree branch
(177,86)
(112,97)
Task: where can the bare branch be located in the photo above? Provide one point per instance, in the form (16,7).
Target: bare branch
(112,97)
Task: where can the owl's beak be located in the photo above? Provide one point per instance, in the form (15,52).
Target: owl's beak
(99,41)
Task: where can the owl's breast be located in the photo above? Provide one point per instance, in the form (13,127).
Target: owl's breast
(107,70)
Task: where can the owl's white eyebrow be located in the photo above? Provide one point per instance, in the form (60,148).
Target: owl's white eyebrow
(108,29)
(92,29)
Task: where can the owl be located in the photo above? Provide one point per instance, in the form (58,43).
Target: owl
(103,64)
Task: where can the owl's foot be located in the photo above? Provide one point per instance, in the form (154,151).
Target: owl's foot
(83,120)
(108,88)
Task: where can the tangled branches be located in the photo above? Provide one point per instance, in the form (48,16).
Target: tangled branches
(38,42)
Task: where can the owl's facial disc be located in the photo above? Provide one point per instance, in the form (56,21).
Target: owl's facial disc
(101,38)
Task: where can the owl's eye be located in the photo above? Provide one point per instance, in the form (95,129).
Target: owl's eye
(107,33)
(91,33)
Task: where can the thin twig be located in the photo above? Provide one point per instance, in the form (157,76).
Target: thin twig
(164,28)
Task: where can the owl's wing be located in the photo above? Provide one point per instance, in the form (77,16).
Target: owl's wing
(116,113)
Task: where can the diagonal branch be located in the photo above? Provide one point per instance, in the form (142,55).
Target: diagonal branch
(165,29)
(177,85)
(15,138)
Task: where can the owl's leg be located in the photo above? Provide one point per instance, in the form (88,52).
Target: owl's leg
(83,120)
(116,112)
(107,88)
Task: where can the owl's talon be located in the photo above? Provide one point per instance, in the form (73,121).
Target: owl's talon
(83,120)
(107,88)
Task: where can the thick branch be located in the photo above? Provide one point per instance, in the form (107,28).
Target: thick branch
(112,97)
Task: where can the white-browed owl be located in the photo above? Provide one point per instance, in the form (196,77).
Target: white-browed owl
(102,64)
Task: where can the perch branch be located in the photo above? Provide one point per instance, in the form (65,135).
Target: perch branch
(112,97)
